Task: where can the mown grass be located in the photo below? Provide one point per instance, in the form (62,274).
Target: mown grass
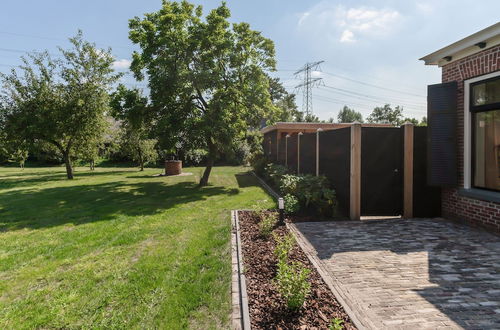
(118,248)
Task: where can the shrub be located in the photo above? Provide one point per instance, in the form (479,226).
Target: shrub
(274,173)
(302,191)
(258,163)
(289,184)
(292,284)
(292,204)
(314,191)
(284,245)
(266,224)
(336,324)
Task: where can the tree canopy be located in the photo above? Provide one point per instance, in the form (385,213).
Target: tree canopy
(63,101)
(207,77)
(386,115)
(348,115)
(131,109)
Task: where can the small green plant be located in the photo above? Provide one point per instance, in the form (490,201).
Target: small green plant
(292,284)
(266,224)
(292,204)
(336,324)
(283,246)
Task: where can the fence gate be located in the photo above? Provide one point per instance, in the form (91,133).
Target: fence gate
(381,171)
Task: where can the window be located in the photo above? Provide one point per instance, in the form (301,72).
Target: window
(485,109)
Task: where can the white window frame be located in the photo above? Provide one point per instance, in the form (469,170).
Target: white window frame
(468,127)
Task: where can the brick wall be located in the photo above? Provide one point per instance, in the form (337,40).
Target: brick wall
(455,206)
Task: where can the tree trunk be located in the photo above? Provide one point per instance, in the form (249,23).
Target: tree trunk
(210,164)
(141,160)
(69,168)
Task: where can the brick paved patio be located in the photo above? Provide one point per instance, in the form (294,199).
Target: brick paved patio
(409,274)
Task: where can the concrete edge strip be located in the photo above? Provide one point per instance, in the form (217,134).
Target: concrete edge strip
(338,292)
(266,186)
(240,313)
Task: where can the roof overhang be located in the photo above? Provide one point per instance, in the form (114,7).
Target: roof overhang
(470,45)
(307,127)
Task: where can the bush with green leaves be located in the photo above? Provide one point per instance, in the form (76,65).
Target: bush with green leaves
(289,184)
(292,284)
(258,163)
(314,191)
(274,173)
(292,204)
(284,245)
(266,223)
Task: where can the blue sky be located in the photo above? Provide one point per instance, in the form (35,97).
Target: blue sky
(370,48)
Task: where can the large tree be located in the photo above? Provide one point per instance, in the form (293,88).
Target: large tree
(131,109)
(284,101)
(387,115)
(207,77)
(63,101)
(348,115)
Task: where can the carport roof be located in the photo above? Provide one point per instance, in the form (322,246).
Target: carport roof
(308,127)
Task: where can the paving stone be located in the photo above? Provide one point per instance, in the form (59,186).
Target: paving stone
(407,274)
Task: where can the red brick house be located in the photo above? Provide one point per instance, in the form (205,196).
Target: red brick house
(464,128)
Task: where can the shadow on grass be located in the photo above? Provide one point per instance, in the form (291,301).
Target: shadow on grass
(246,180)
(23,179)
(100,202)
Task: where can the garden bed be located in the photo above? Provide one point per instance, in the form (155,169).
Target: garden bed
(268,310)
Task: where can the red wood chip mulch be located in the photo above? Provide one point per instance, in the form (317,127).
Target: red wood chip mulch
(267,308)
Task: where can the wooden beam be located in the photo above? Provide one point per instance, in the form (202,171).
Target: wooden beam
(355,177)
(408,171)
(317,150)
(278,138)
(298,152)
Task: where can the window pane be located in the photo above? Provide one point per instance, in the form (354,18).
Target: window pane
(486,93)
(487,150)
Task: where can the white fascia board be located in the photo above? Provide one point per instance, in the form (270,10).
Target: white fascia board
(465,47)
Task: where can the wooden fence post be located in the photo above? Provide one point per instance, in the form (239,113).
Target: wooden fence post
(286,149)
(298,152)
(408,171)
(317,150)
(355,177)
(278,138)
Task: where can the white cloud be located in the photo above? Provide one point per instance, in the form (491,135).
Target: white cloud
(316,74)
(121,64)
(349,24)
(347,36)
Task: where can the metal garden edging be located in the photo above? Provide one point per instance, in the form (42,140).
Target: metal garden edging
(240,314)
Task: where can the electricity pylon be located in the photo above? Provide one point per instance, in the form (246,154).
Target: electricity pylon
(308,83)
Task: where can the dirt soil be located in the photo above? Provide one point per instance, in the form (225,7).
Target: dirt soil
(267,309)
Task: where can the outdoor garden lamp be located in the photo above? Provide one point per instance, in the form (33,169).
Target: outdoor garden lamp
(281,208)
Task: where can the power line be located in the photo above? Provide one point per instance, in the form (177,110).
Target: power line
(372,85)
(375,98)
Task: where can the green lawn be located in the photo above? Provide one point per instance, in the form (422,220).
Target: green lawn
(118,248)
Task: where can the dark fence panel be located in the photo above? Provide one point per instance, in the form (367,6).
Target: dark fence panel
(335,163)
(381,171)
(292,153)
(281,151)
(308,153)
(426,199)
(269,142)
